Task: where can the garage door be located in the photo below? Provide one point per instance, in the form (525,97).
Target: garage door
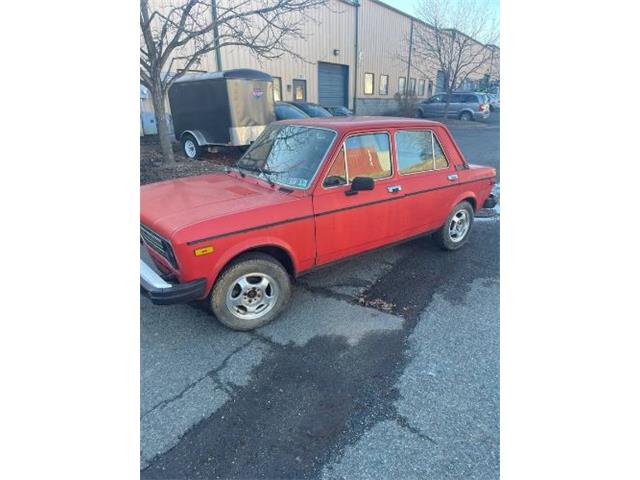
(332,84)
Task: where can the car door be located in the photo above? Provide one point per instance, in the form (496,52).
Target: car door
(347,223)
(454,105)
(428,178)
(435,106)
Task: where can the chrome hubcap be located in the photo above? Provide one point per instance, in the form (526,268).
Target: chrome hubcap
(190,148)
(252,296)
(459,226)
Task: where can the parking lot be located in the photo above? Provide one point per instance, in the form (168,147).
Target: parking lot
(383,366)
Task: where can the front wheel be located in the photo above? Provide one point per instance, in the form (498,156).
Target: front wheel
(455,231)
(251,292)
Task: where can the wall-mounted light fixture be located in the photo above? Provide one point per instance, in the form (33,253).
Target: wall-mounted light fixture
(336,51)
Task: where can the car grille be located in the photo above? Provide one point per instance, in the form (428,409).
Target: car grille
(159,244)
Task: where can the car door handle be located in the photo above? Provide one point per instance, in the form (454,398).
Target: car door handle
(394,189)
(453,177)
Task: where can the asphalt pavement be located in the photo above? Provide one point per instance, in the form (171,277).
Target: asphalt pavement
(383,366)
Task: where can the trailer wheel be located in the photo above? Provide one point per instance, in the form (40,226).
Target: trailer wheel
(190,147)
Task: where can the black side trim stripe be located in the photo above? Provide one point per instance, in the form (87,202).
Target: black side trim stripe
(236,232)
(418,192)
(297,219)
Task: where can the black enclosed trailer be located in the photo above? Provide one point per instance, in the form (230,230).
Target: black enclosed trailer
(220,108)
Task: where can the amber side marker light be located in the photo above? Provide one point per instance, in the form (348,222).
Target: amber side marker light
(203,251)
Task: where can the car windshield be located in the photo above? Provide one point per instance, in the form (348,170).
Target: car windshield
(287,154)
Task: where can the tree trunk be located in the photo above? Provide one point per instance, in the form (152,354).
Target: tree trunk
(447,104)
(161,122)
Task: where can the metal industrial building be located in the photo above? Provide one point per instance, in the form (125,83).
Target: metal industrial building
(355,55)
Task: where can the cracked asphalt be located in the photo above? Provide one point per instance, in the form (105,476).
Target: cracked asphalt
(383,366)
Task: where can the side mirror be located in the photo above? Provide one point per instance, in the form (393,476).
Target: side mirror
(359,184)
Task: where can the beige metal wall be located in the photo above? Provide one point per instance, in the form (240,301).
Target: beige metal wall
(383,49)
(384,36)
(332,28)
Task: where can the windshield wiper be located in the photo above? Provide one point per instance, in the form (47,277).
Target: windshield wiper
(262,171)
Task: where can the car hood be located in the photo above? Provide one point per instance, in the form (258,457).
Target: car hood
(169,206)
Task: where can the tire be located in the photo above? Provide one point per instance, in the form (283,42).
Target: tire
(190,147)
(451,237)
(419,113)
(466,116)
(232,305)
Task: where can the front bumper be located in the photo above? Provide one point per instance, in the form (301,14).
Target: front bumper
(162,292)
(481,115)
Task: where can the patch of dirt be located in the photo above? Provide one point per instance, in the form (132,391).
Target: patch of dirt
(153,169)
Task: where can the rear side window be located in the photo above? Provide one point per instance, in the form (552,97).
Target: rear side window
(419,151)
(471,99)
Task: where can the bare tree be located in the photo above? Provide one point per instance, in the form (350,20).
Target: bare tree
(190,29)
(457,38)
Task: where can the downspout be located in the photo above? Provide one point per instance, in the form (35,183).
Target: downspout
(356,4)
(408,82)
(216,34)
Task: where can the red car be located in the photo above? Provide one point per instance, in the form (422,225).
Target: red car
(308,192)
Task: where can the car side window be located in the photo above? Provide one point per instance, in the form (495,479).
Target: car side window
(337,174)
(419,151)
(440,160)
(471,99)
(368,155)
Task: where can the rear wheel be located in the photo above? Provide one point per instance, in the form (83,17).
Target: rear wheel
(251,292)
(190,147)
(455,231)
(466,116)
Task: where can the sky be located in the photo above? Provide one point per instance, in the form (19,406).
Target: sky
(408,6)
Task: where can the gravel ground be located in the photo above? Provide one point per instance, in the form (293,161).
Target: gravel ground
(153,169)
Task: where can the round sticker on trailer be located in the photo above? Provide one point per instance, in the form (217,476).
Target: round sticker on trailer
(257,92)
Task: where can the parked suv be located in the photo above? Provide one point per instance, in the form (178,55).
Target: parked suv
(462,105)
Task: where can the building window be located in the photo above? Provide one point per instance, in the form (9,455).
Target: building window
(430,89)
(421,87)
(368,83)
(402,81)
(384,85)
(300,90)
(277,89)
(412,87)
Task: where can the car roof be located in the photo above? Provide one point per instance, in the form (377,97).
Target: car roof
(345,124)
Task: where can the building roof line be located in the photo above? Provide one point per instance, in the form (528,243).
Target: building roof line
(411,17)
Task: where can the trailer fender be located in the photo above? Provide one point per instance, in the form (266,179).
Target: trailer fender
(197,135)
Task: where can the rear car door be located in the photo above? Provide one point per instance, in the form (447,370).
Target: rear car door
(347,224)
(428,178)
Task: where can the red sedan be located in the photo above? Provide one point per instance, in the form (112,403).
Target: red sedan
(308,192)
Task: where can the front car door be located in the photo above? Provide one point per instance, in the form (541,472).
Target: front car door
(435,106)
(347,224)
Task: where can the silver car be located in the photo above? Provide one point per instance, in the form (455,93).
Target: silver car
(462,105)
